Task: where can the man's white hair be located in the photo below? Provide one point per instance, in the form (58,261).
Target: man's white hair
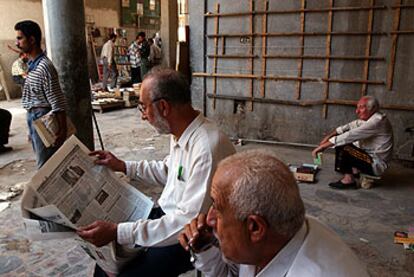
(265,186)
(372,103)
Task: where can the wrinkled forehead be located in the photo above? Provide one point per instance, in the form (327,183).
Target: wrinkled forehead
(224,179)
(145,92)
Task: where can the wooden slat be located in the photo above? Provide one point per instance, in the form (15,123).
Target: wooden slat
(320,10)
(232,56)
(295,34)
(287,78)
(216,30)
(301,49)
(328,62)
(264,49)
(323,57)
(395,27)
(368,48)
(251,52)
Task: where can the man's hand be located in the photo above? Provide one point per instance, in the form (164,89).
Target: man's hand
(316,151)
(321,148)
(197,235)
(99,233)
(108,159)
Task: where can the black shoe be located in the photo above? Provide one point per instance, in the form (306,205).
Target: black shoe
(4,149)
(340,185)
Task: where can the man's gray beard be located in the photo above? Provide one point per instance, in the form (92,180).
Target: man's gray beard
(160,124)
(222,254)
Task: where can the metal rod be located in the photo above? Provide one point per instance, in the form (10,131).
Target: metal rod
(322,10)
(97,130)
(297,144)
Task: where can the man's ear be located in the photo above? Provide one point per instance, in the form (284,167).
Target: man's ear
(32,40)
(165,107)
(257,228)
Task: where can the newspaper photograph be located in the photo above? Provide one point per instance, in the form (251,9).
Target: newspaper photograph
(70,191)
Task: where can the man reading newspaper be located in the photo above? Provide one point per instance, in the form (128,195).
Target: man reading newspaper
(197,145)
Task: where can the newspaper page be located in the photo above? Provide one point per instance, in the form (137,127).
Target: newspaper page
(70,191)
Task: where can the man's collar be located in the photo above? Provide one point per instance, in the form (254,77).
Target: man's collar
(185,136)
(33,63)
(281,263)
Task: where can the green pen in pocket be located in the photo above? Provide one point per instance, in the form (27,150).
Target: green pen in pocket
(180,173)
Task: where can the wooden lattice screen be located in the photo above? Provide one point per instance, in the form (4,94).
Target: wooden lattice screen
(301,77)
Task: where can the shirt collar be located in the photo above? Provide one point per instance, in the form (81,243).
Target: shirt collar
(185,136)
(35,62)
(281,263)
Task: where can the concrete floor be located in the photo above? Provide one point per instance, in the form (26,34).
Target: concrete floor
(365,219)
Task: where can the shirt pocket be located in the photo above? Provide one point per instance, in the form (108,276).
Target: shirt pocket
(179,190)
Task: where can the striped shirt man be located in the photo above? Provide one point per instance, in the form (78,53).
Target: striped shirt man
(134,57)
(42,89)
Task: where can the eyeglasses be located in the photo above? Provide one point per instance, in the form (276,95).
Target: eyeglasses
(142,107)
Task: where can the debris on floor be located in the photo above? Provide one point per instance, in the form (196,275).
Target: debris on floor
(405,238)
(13,191)
(4,205)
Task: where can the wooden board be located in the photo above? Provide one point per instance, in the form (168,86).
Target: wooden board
(108,106)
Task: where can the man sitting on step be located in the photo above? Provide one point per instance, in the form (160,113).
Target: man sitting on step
(362,146)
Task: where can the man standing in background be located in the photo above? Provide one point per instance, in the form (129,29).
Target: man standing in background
(135,61)
(41,91)
(109,65)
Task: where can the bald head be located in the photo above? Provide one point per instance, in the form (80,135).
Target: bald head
(168,84)
(263,185)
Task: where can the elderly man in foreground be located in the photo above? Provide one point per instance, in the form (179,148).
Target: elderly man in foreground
(363,145)
(196,146)
(258,218)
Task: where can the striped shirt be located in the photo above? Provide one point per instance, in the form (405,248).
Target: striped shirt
(41,88)
(134,57)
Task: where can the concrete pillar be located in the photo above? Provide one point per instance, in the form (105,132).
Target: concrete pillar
(169,31)
(66,47)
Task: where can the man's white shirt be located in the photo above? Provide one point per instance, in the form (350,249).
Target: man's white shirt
(314,251)
(186,173)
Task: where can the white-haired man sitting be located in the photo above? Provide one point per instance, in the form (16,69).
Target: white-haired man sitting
(363,145)
(258,218)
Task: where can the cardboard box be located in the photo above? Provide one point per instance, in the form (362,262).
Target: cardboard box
(304,173)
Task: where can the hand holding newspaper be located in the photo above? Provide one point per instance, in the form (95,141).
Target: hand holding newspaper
(70,191)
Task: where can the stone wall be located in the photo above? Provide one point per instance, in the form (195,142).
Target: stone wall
(278,114)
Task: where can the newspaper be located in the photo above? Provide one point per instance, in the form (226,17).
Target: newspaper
(70,191)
